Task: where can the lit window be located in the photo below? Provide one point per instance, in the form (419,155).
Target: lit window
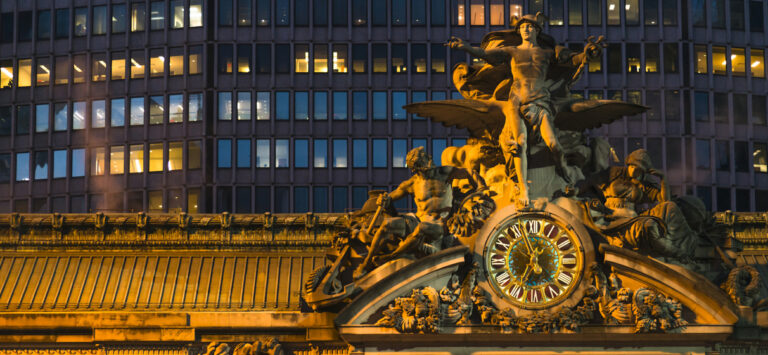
(399,151)
(738,61)
(459,12)
(262,153)
(177,11)
(632,12)
(137,111)
(757,68)
(193,197)
(243,153)
(477,9)
(719,61)
(225,58)
(175,108)
(195,107)
(613,12)
(651,58)
(300,153)
(379,58)
(137,64)
(59,163)
(78,69)
(97,161)
(78,162)
(61,74)
(359,153)
(243,58)
(175,150)
(398,58)
(633,57)
(81,21)
(282,153)
(156,157)
(360,58)
(156,110)
(195,60)
(136,163)
(760,158)
(117,112)
(99,67)
(25,73)
(138,17)
(43,74)
(262,105)
(195,13)
(320,153)
(497,12)
(60,117)
(320,111)
(118,18)
(339,153)
(98,114)
(701,58)
(244,12)
(118,65)
(555,14)
(321,58)
(243,106)
(117,160)
(419,58)
(156,63)
(155,201)
(301,56)
(225,106)
(379,153)
(41,117)
(22,166)
(575,18)
(157,15)
(339,58)
(194,154)
(301,105)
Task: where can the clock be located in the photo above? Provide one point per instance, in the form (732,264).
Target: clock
(535,260)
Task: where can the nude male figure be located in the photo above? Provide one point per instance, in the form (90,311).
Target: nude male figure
(529,99)
(433,195)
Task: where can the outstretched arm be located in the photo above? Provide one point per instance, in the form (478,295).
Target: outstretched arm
(493,56)
(402,190)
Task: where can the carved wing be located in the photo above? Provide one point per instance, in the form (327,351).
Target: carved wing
(476,116)
(595,113)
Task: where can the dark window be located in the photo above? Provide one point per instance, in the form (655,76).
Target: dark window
(225,58)
(761,200)
(243,153)
(437,10)
(359,12)
(5,120)
(340,9)
(41,165)
(701,109)
(339,199)
(44,24)
(614,58)
(438,58)
(244,8)
(282,12)
(301,105)
(359,153)
(555,14)
(380,58)
(301,153)
(23,116)
(740,108)
(320,12)
(224,154)
(223,199)
(282,105)
(243,199)
(721,107)
(300,12)
(263,58)
(157,15)
(320,199)
(6,31)
(398,13)
(225,12)
(380,153)
(320,109)
(575,17)
(653,100)
(282,58)
(670,57)
(651,57)
(399,99)
(594,12)
(698,7)
(118,18)
(758,109)
(633,57)
(418,12)
(5,168)
(702,154)
(359,58)
(741,156)
(737,15)
(99,20)
(742,200)
(263,199)
(418,58)
(263,12)
(379,13)
(359,105)
(300,199)
(62,23)
(669,12)
(339,105)
(674,154)
(359,196)
(379,105)
(25,26)
(651,12)
(723,198)
(756,16)
(399,59)
(722,156)
(718,13)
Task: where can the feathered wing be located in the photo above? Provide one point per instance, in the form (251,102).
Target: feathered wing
(589,114)
(477,116)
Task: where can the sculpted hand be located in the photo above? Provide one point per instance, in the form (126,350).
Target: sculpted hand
(594,48)
(456,43)
(383,200)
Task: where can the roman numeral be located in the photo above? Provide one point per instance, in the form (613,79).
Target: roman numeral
(533,296)
(502,278)
(569,260)
(534,227)
(564,243)
(516,291)
(551,231)
(564,278)
(516,231)
(502,244)
(497,261)
(552,291)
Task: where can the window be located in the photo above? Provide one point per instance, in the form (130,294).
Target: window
(176,62)
(300,12)
(195,13)
(301,54)
(613,12)
(98,161)
(556,8)
(301,199)
(195,107)
(262,106)
(339,105)
(22,166)
(117,112)
(669,12)
(61,72)
(740,106)
(136,159)
(137,64)
(723,198)
(81,21)
(438,58)
(719,61)
(301,105)
(282,105)
(243,153)
(5,168)
(118,18)
(379,105)
(320,194)
(283,13)
(399,152)
(44,24)
(6,74)
(263,63)
(320,153)
(225,106)
(614,58)
(380,58)
(359,105)
(243,199)
(243,106)
(156,109)
(594,13)
(359,58)
(99,67)
(282,153)
(651,57)
(698,8)
(156,63)
(5,120)
(194,154)
(301,153)
(224,153)
(670,57)
(359,153)
(60,116)
(78,162)
(756,16)
(340,10)
(740,155)
(23,114)
(263,12)
(25,73)
(340,199)
(379,13)
(757,68)
(156,157)
(379,153)
(225,58)
(243,58)
(399,60)
(339,153)
(117,159)
(320,15)
(723,155)
(398,101)
(41,117)
(320,111)
(718,13)
(118,65)
(419,58)
(138,17)
(320,58)
(398,13)
(339,57)
(359,12)
(737,15)
(98,114)
(78,68)
(760,157)
(195,60)
(62,23)
(262,153)
(418,96)
(758,109)
(738,62)
(244,9)
(177,11)
(43,75)
(702,154)
(137,111)
(633,57)
(59,163)
(701,59)
(701,109)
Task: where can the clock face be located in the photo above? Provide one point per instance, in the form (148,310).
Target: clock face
(533,260)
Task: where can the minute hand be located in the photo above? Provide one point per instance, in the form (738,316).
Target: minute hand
(525,237)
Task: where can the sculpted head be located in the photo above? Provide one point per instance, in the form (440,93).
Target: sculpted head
(528,26)
(638,163)
(418,160)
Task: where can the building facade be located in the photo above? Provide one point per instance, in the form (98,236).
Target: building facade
(250,106)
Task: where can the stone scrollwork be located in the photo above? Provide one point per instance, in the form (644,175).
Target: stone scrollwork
(742,285)
(267,346)
(471,214)
(417,313)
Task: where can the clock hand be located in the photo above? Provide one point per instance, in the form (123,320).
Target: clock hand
(535,261)
(525,237)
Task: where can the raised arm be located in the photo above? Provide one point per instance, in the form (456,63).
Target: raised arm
(402,190)
(493,56)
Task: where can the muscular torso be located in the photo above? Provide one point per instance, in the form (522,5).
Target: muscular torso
(529,69)
(433,196)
